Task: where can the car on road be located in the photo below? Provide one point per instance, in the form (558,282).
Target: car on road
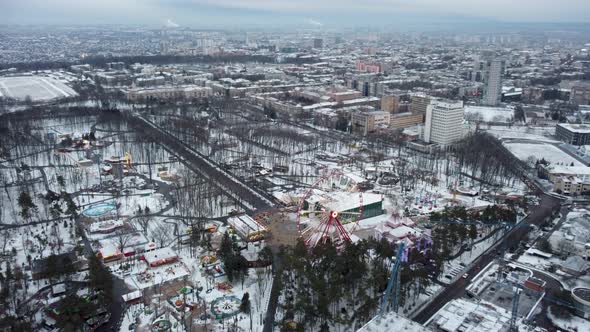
(465,276)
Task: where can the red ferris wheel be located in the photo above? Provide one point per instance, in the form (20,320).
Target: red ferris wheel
(322,217)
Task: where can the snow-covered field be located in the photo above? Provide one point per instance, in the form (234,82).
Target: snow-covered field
(538,151)
(542,134)
(37,87)
(489,114)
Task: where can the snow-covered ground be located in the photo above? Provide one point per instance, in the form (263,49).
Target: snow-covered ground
(190,270)
(538,151)
(489,114)
(540,134)
(38,88)
(572,324)
(391,321)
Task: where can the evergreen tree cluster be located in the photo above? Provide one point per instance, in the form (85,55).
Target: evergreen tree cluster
(236,265)
(328,286)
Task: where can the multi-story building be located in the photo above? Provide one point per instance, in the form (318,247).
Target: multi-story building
(444,122)
(490,70)
(169,92)
(367,121)
(150,81)
(553,172)
(493,80)
(367,83)
(574,134)
(420,104)
(340,96)
(405,120)
(390,104)
(580,95)
(368,67)
(570,185)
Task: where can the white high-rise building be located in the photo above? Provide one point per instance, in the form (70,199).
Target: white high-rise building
(444,122)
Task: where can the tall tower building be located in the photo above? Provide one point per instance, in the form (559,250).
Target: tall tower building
(444,122)
(318,43)
(489,70)
(164,42)
(493,82)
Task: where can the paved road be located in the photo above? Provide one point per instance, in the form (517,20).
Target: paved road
(541,319)
(512,240)
(116,307)
(200,164)
(277,269)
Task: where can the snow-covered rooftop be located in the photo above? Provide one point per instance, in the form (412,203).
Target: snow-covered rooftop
(345,201)
(391,321)
(106,225)
(466,315)
(577,128)
(159,254)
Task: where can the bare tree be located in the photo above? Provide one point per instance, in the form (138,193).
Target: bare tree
(4,238)
(143,219)
(162,235)
(123,238)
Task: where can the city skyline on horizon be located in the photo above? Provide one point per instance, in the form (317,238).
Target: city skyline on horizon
(326,13)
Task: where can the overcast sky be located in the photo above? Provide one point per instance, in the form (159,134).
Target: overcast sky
(327,12)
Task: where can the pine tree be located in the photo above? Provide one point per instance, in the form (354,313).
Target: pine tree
(61,182)
(25,202)
(472,232)
(226,247)
(245,305)
(100,279)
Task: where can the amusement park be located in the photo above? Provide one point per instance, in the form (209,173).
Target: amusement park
(258,226)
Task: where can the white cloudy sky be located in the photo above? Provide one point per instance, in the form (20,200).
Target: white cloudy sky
(191,12)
